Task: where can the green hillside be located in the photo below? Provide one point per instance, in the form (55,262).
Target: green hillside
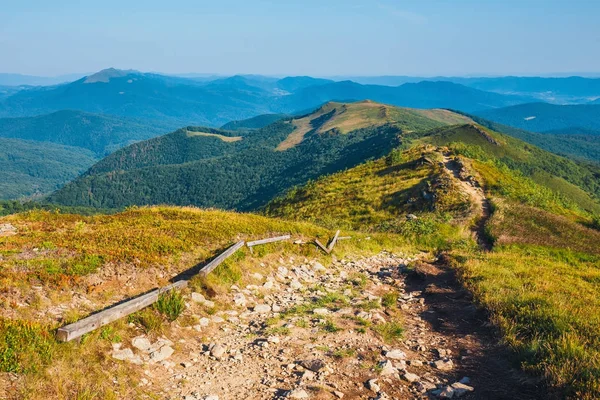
(29,168)
(183,168)
(539,281)
(101,134)
(577,143)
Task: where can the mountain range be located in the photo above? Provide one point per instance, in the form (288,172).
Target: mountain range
(113,108)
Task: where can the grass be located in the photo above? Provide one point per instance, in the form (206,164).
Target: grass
(541,286)
(62,253)
(389,300)
(170,304)
(377,196)
(25,347)
(390,332)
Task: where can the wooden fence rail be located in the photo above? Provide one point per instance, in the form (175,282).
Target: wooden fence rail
(95,321)
(268,240)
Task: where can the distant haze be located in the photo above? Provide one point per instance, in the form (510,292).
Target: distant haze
(308,37)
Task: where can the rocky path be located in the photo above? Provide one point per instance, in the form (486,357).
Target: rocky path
(360,329)
(470,186)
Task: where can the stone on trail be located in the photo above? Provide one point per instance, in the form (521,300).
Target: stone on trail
(295,284)
(198,298)
(126,355)
(411,377)
(387,368)
(239,299)
(395,354)
(314,365)
(444,365)
(217,351)
(262,308)
(297,393)
(461,389)
(338,394)
(320,311)
(141,343)
(372,385)
(162,354)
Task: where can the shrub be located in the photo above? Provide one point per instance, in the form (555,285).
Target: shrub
(170,304)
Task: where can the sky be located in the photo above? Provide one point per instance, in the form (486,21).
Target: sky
(302,37)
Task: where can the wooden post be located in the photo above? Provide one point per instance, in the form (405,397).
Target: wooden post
(333,241)
(218,260)
(319,244)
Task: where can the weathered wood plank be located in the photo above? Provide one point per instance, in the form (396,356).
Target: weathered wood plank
(95,321)
(333,241)
(218,260)
(319,244)
(268,240)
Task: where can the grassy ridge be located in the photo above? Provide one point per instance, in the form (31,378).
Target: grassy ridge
(542,278)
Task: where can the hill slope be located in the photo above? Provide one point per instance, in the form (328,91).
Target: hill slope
(29,168)
(186,168)
(538,282)
(101,134)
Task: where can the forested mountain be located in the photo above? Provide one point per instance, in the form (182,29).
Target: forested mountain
(573,143)
(209,167)
(543,117)
(260,121)
(101,134)
(29,168)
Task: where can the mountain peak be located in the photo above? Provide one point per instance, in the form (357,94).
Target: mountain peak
(107,74)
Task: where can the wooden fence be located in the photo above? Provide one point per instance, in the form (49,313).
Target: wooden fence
(97,320)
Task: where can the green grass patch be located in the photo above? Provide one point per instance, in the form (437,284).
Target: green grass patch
(25,347)
(170,304)
(389,331)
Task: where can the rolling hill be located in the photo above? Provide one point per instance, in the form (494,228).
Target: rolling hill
(101,134)
(200,166)
(30,168)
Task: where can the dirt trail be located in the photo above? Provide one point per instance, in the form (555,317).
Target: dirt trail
(483,206)
(317,332)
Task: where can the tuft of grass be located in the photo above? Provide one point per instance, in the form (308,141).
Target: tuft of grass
(389,300)
(170,304)
(344,353)
(389,331)
(331,327)
(148,319)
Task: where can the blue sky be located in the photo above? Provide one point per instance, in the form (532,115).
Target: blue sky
(307,37)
